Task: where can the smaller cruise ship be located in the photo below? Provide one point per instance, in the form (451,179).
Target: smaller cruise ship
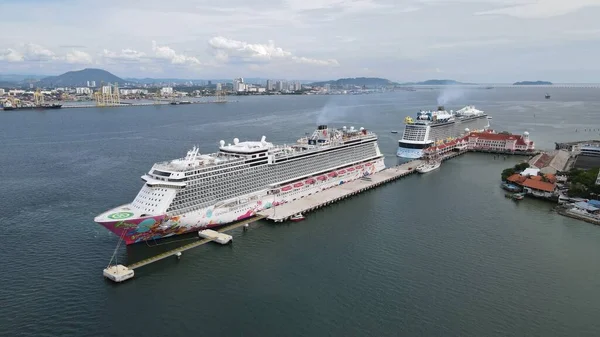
(432,128)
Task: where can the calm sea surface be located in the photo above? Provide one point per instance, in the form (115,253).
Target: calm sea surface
(444,254)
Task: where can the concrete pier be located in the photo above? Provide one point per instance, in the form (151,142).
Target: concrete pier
(195,244)
(323,198)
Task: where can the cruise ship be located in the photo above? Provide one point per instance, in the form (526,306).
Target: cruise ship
(209,190)
(432,127)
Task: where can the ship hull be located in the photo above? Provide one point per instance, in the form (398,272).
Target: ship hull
(134,230)
(409,153)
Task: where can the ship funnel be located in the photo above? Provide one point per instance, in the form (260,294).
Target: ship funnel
(344,128)
(361,128)
(263,139)
(236,141)
(441,108)
(222,143)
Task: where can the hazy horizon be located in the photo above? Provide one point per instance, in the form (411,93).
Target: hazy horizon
(481,41)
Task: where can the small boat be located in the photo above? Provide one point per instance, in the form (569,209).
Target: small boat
(547,96)
(518,196)
(428,167)
(297,217)
(394,131)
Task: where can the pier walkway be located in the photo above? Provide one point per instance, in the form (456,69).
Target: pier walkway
(195,244)
(334,194)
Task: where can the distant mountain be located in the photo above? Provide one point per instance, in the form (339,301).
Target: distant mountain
(16,78)
(147,80)
(80,78)
(533,83)
(357,81)
(437,82)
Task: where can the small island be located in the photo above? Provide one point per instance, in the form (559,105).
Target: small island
(533,83)
(437,82)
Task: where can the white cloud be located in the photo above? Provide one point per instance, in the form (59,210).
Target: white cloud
(35,52)
(243,49)
(11,55)
(166,53)
(78,57)
(124,55)
(226,48)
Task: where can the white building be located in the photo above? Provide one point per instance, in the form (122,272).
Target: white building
(270,85)
(133,91)
(166,91)
(83,91)
(15,92)
(239,85)
(2,92)
(106,90)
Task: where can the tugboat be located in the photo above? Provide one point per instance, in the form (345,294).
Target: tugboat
(7,105)
(547,96)
(297,217)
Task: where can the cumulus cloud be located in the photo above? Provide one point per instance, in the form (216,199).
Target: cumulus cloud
(35,52)
(78,57)
(11,55)
(251,52)
(166,53)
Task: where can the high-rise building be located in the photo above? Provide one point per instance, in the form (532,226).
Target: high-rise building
(239,85)
(270,85)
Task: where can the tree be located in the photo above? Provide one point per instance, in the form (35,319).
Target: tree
(507,173)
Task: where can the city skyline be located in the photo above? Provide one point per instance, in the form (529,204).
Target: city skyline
(494,41)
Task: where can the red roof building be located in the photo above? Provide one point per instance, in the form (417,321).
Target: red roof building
(492,141)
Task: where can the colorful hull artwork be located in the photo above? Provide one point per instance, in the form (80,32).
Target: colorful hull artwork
(124,224)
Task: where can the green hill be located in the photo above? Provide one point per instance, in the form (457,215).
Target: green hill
(357,81)
(80,78)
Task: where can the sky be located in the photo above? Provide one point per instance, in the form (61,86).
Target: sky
(482,41)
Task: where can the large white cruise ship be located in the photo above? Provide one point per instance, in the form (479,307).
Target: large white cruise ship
(431,127)
(209,190)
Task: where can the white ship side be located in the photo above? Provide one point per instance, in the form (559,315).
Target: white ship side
(433,127)
(208,190)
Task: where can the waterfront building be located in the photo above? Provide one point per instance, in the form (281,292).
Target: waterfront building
(499,142)
(542,186)
(551,162)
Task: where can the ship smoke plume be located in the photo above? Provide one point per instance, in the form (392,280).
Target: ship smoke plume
(450,95)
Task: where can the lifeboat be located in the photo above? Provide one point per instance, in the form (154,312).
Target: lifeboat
(341,171)
(350,169)
(287,188)
(296,185)
(310,181)
(332,174)
(322,178)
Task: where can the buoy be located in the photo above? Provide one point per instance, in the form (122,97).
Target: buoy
(178,255)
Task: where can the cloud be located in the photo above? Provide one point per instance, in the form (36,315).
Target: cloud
(78,57)
(166,53)
(35,52)
(11,55)
(255,52)
(540,8)
(123,55)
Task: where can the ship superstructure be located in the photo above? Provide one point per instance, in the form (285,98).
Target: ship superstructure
(435,127)
(208,190)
